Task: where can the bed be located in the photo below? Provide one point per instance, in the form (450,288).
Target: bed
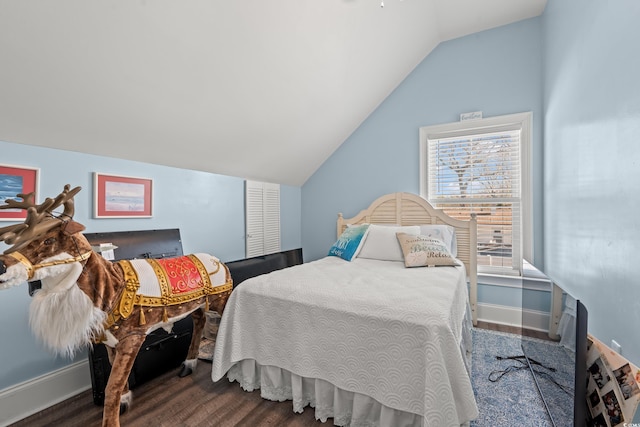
(365,341)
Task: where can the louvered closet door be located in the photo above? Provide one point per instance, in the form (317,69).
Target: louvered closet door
(262,205)
(271,218)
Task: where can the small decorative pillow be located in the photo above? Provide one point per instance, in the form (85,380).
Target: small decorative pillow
(382,242)
(446,233)
(350,241)
(421,251)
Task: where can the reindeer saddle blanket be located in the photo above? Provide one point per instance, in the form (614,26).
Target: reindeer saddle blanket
(170,281)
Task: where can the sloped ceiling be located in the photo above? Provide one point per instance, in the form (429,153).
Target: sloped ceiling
(265,90)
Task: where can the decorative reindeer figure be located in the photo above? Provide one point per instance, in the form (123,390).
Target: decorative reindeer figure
(85,298)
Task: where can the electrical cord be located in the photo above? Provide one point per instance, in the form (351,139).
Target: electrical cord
(523,357)
(496,375)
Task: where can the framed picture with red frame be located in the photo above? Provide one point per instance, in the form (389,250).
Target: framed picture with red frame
(122,196)
(16,180)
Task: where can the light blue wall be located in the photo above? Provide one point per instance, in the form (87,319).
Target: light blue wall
(497,71)
(290,217)
(591,92)
(207,208)
(519,296)
(592,161)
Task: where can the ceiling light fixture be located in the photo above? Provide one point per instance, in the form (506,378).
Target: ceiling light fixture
(382,3)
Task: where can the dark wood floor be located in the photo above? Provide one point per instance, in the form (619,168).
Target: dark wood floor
(193,401)
(186,402)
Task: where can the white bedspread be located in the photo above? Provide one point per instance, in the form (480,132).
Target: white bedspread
(366,326)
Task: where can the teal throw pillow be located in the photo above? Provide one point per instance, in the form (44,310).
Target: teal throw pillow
(349,243)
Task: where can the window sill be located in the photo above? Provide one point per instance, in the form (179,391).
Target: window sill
(515,282)
(532,279)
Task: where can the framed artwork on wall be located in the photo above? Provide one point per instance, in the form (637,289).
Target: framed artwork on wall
(16,180)
(122,196)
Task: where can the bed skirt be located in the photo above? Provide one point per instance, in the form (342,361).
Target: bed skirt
(348,409)
(345,407)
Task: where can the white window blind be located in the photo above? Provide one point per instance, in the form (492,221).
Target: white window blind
(479,169)
(262,217)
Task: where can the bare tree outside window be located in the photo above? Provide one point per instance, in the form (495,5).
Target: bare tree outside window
(480,174)
(483,166)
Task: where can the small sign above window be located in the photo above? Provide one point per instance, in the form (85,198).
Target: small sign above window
(475,115)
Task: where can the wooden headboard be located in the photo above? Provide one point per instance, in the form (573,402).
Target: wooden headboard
(411,209)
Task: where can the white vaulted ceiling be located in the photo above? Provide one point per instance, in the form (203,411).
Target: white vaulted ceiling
(260,89)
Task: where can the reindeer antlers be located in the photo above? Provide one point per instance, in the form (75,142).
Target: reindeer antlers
(40,218)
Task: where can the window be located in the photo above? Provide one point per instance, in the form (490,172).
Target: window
(262,217)
(482,167)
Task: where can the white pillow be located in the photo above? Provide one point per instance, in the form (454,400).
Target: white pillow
(446,233)
(381,242)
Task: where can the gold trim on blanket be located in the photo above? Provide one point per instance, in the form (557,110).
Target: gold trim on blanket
(130,298)
(132,284)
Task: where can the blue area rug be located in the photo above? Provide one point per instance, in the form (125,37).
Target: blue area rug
(513,400)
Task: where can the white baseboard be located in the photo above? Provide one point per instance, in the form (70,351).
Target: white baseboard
(27,398)
(512,316)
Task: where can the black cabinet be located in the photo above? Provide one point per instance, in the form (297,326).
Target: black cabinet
(243,269)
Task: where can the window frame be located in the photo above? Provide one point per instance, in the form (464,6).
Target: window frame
(478,126)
